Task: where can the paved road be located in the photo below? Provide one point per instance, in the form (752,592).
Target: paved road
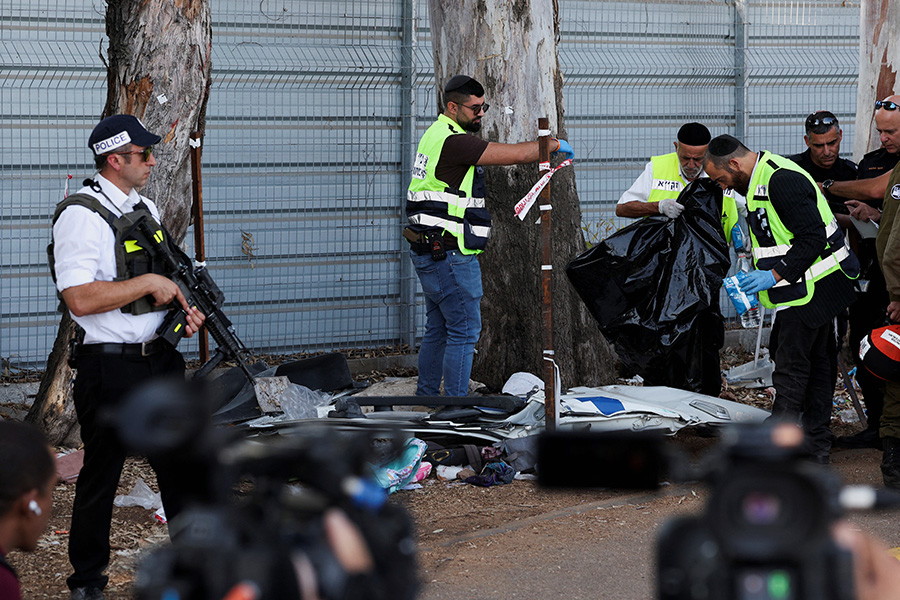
(603,549)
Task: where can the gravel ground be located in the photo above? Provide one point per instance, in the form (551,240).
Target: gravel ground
(440,510)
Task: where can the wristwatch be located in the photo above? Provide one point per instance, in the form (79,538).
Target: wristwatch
(827,184)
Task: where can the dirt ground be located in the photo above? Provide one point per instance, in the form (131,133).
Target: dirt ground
(452,522)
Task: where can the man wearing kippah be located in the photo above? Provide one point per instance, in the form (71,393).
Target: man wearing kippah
(656,190)
(118,295)
(449,227)
(804,270)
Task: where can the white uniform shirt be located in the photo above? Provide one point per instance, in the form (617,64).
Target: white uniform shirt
(84,250)
(640,189)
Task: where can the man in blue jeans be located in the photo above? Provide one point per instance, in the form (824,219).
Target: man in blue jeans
(449,226)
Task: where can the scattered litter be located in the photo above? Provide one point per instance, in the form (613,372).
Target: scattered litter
(423,472)
(69,465)
(848,415)
(278,394)
(140,495)
(466,472)
(519,384)
(265,420)
(754,374)
(525,477)
(402,469)
(494,473)
(448,472)
(160,515)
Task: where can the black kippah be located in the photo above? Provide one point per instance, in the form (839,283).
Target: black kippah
(456,82)
(723,145)
(693,134)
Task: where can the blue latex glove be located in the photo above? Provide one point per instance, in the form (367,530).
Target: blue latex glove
(756,281)
(565,149)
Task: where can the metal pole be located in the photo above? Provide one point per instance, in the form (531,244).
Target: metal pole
(740,70)
(197,213)
(546,282)
(407,148)
(848,383)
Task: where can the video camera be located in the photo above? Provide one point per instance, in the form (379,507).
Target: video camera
(257,523)
(765,532)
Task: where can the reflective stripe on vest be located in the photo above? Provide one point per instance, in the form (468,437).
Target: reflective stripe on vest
(432,204)
(769,249)
(782,249)
(667,181)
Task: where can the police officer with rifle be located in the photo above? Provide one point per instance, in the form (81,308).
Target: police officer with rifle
(119,292)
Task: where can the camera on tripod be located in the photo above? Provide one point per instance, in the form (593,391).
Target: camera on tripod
(258,520)
(765,533)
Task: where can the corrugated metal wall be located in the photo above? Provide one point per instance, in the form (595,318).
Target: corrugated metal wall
(316,108)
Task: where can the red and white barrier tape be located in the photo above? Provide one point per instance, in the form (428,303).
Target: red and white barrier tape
(524,205)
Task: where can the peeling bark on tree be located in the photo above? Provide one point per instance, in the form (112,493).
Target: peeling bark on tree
(510,47)
(162,48)
(159,70)
(879,58)
(53,410)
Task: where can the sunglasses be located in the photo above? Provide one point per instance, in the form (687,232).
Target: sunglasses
(814,121)
(477,108)
(145,153)
(885,104)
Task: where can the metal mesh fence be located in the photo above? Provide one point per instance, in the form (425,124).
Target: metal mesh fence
(636,71)
(314,113)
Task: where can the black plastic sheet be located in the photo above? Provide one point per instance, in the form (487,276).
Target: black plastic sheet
(654,289)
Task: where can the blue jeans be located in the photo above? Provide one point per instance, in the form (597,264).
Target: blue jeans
(453,293)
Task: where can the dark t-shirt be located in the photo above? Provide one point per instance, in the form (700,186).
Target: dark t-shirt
(841,170)
(458,154)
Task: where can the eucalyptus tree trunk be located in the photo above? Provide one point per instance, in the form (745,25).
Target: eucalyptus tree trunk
(158,70)
(510,47)
(879,59)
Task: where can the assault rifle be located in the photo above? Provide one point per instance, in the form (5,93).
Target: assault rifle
(201,292)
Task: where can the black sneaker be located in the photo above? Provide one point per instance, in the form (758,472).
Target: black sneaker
(890,463)
(867,438)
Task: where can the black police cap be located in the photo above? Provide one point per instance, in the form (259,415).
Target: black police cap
(117,131)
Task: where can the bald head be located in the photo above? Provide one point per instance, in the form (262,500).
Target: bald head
(887,122)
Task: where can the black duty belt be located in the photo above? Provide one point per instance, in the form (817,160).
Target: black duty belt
(144,349)
(420,244)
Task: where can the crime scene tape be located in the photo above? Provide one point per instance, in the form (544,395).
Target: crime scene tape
(525,204)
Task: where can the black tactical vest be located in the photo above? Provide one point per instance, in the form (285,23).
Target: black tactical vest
(131,259)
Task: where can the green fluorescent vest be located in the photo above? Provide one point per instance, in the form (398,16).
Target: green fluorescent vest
(432,204)
(772,240)
(668,183)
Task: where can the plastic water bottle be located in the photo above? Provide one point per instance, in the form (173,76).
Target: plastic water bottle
(750,317)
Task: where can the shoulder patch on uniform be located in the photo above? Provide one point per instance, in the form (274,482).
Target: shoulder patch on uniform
(895,192)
